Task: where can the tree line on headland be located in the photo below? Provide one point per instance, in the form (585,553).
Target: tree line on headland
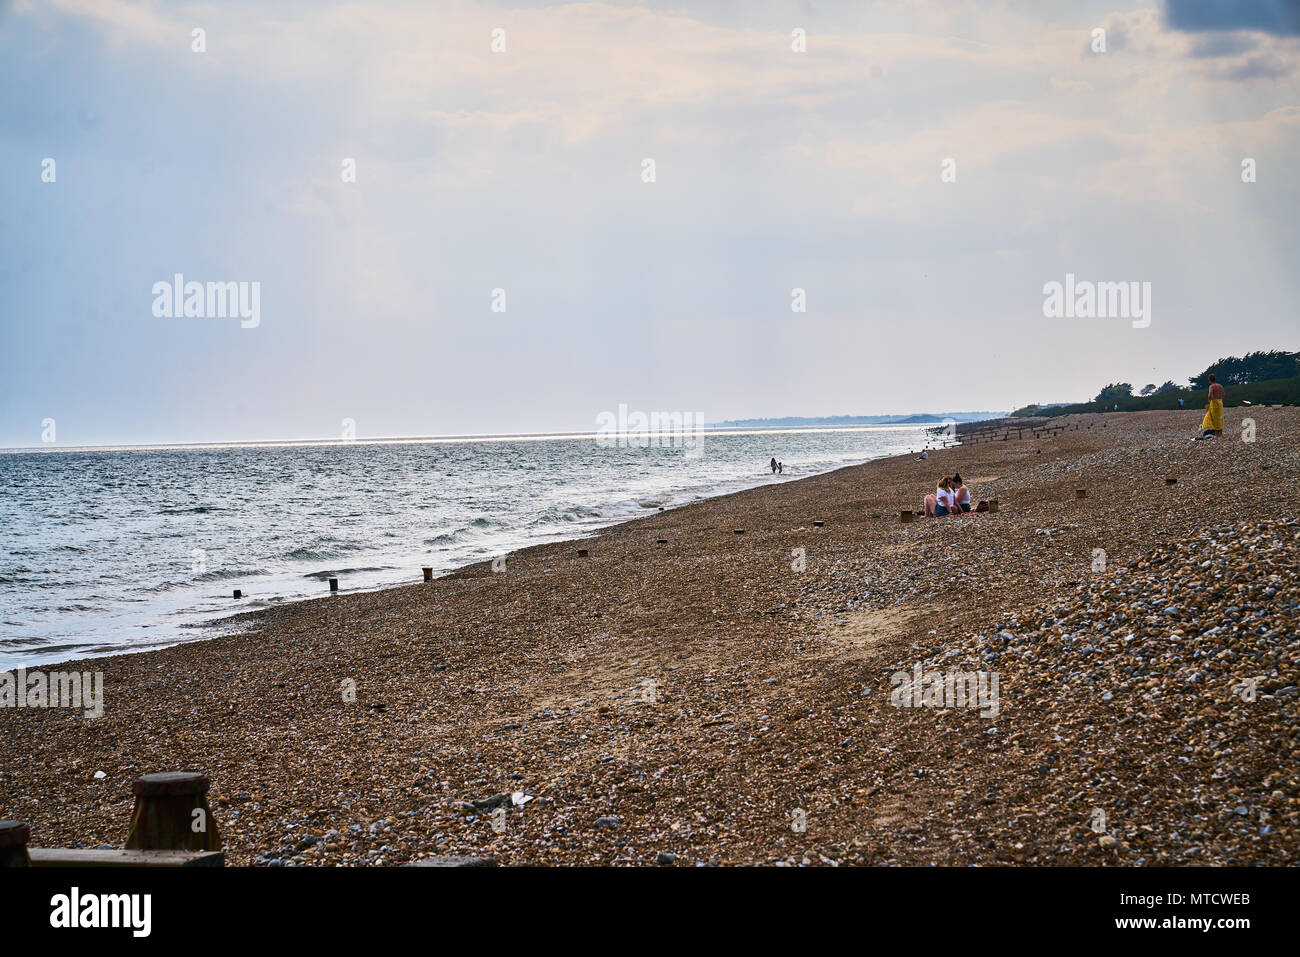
(1257,378)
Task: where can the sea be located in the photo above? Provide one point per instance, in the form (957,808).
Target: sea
(110,551)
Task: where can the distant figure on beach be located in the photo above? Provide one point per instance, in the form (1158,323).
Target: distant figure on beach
(960,493)
(1182,403)
(774,465)
(1212,424)
(925,454)
(780,468)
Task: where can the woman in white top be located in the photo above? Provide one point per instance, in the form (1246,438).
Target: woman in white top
(960,493)
(943,498)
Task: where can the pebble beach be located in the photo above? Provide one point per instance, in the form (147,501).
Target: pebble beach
(730,695)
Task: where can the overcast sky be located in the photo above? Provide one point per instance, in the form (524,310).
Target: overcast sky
(523,170)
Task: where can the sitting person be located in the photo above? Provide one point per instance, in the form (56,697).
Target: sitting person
(927,509)
(943,504)
(961,494)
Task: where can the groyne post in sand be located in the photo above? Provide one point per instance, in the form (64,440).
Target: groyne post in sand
(1080,493)
(583,553)
(13,844)
(1170,480)
(993,505)
(238,593)
(171,814)
(334,584)
(428,574)
(905,516)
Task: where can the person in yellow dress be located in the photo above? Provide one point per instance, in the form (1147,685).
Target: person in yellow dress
(1212,424)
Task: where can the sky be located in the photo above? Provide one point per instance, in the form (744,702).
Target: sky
(912,173)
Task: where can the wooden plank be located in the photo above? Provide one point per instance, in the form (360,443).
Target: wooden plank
(115,857)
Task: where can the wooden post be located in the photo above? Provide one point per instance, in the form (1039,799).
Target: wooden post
(334,584)
(238,593)
(905,516)
(740,531)
(1171,481)
(993,505)
(818,523)
(428,574)
(13,844)
(582,553)
(1080,493)
(165,817)
(661,541)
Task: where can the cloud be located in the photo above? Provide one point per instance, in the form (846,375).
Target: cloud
(1281,17)
(1265,67)
(1222,44)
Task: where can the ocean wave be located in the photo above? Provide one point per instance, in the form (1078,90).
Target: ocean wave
(327,574)
(565,513)
(21,643)
(215,575)
(225,574)
(308,553)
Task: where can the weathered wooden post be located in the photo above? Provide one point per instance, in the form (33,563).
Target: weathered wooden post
(582,553)
(661,541)
(334,584)
(1080,493)
(238,593)
(428,574)
(905,516)
(993,505)
(818,523)
(166,815)
(1171,480)
(13,844)
(740,531)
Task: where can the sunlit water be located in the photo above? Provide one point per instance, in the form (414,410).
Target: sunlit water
(109,551)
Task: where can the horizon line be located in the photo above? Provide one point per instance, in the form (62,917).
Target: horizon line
(324,442)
